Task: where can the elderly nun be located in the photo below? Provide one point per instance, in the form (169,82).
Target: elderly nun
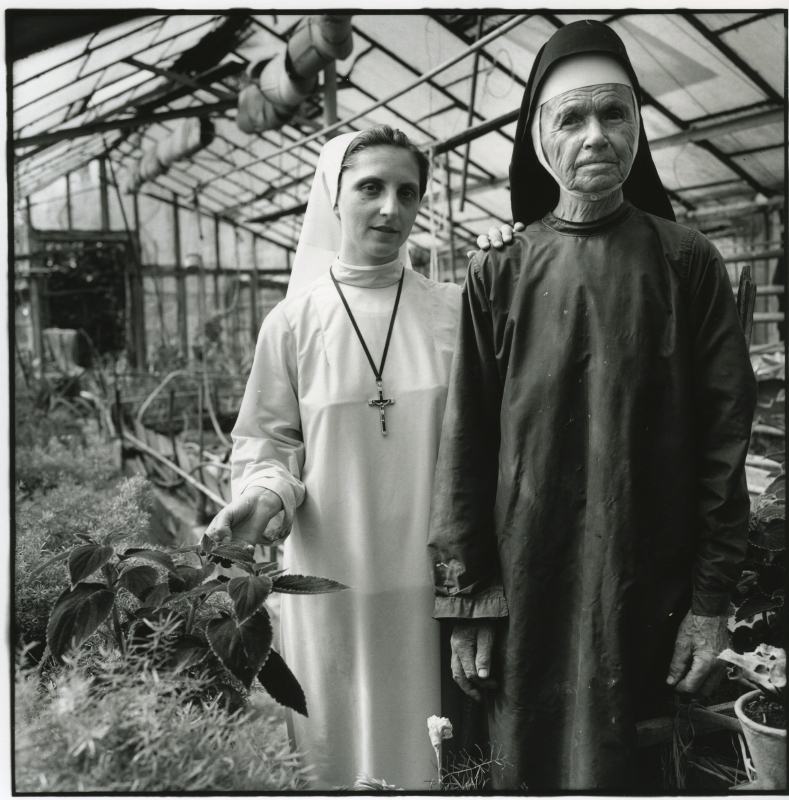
(590,513)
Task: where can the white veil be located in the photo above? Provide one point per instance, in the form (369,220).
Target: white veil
(321,232)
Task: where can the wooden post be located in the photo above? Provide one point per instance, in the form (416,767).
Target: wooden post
(253,290)
(180,281)
(104,195)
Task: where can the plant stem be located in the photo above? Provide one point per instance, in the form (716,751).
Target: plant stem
(191,618)
(111,574)
(116,624)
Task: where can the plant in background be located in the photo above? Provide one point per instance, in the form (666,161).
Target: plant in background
(762,714)
(760,595)
(764,668)
(49,524)
(175,595)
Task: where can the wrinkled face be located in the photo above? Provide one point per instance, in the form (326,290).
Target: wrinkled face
(589,136)
(377,205)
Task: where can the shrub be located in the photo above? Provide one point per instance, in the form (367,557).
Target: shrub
(40,466)
(136,730)
(47,523)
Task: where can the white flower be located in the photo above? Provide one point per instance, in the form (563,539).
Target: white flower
(439,728)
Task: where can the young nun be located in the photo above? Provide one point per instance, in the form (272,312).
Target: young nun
(339,430)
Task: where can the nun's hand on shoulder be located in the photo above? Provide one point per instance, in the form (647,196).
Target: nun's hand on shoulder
(498,237)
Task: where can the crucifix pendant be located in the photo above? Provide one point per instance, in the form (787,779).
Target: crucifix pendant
(381,403)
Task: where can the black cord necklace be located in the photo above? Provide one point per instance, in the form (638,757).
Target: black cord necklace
(380,402)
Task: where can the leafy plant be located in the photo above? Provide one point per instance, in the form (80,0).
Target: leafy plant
(764,668)
(238,633)
(761,591)
(50,523)
(130,728)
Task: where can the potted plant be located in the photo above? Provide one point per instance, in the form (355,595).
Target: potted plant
(762,712)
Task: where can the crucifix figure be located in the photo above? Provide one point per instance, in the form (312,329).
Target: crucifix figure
(381,403)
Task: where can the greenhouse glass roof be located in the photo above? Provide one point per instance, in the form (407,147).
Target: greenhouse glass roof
(713,84)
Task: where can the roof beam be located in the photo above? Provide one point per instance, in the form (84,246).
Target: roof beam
(714,39)
(476,132)
(698,134)
(743,22)
(275,215)
(179,78)
(125,123)
(725,159)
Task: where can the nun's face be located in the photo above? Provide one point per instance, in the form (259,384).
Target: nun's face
(377,205)
(589,136)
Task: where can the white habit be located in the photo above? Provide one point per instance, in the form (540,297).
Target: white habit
(367,658)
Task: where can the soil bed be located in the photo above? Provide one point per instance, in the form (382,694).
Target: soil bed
(766,712)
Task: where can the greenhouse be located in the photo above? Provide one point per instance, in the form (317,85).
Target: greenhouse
(178,377)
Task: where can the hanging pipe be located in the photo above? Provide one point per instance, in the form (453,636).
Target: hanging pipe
(284,82)
(486,40)
(192,135)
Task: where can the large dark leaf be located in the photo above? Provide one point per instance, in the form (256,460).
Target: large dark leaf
(771,579)
(229,553)
(48,563)
(204,589)
(138,580)
(241,648)
(277,679)
(152,556)
(248,594)
(86,559)
(185,578)
(757,604)
(306,584)
(769,535)
(156,595)
(189,650)
(77,615)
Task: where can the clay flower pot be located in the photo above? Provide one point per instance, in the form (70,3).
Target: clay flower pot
(767,747)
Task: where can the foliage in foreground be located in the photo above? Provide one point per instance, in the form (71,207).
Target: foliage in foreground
(177,621)
(49,523)
(133,729)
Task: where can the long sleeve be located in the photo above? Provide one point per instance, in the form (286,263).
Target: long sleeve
(268,447)
(462,541)
(724,399)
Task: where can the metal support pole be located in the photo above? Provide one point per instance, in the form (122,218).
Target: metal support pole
(69,218)
(36,311)
(180,281)
(104,195)
(217,248)
(253,290)
(330,95)
(470,120)
(450,222)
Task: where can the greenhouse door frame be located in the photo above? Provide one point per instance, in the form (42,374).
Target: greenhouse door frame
(135,309)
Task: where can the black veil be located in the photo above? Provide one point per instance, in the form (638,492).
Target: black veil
(533,191)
